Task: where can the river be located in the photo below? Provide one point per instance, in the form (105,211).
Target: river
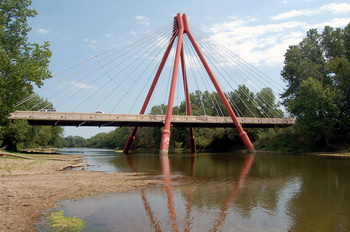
(219,192)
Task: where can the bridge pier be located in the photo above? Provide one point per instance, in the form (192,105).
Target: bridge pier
(164,142)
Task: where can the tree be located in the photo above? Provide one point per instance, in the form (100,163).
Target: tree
(243,102)
(339,67)
(266,103)
(317,72)
(23,64)
(301,62)
(316,110)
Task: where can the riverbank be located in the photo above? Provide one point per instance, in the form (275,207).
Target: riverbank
(30,186)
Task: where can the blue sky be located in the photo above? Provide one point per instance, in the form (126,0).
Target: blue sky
(258,31)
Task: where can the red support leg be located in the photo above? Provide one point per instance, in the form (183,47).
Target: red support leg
(244,137)
(188,103)
(165,140)
(179,29)
(131,137)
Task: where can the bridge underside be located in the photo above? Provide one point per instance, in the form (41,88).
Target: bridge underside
(131,120)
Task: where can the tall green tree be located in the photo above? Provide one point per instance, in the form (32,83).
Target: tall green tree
(23,64)
(243,102)
(316,110)
(267,105)
(317,73)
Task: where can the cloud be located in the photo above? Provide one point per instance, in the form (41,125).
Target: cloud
(43,31)
(334,8)
(143,20)
(258,44)
(91,43)
(337,8)
(336,22)
(293,13)
(82,85)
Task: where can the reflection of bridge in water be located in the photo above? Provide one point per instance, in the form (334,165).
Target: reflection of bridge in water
(168,183)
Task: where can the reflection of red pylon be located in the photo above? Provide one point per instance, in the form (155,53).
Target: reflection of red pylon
(248,162)
(181,27)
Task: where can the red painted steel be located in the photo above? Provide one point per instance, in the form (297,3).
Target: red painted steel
(188,103)
(165,140)
(181,27)
(131,137)
(244,137)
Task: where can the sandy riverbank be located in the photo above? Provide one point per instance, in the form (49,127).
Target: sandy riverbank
(30,186)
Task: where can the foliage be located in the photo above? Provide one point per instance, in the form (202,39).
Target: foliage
(205,138)
(261,104)
(74,141)
(317,73)
(316,109)
(22,65)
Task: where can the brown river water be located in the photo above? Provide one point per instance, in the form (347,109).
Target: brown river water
(220,192)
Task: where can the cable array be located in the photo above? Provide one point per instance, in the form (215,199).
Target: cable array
(116,77)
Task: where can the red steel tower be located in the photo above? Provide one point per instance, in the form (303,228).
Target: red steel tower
(181,27)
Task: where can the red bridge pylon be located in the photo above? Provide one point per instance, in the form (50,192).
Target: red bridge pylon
(181,27)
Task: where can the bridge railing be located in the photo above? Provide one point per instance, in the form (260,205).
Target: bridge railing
(61,117)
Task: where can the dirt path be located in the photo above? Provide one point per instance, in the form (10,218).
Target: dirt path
(30,186)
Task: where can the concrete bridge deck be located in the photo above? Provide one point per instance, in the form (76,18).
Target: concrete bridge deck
(130,120)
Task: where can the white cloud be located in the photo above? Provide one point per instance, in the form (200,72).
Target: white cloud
(82,85)
(337,8)
(259,44)
(91,43)
(293,13)
(43,31)
(284,2)
(336,22)
(334,8)
(143,20)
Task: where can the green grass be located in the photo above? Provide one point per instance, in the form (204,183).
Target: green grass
(58,222)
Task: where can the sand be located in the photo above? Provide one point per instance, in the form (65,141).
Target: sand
(28,187)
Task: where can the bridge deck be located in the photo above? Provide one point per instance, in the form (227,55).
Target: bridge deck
(131,120)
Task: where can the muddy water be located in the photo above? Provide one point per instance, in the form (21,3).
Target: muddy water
(220,192)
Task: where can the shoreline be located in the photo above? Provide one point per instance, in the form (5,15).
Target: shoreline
(29,187)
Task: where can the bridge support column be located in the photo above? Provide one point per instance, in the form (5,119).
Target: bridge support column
(131,138)
(128,143)
(165,140)
(188,102)
(192,141)
(244,137)
(180,27)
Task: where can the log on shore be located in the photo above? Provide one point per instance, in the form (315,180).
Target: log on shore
(13,155)
(71,166)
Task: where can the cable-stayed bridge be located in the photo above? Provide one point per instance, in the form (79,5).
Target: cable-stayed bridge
(136,82)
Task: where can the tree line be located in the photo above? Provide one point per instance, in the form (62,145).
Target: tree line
(206,138)
(317,74)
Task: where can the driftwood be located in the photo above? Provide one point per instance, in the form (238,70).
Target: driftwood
(17,156)
(71,166)
(58,159)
